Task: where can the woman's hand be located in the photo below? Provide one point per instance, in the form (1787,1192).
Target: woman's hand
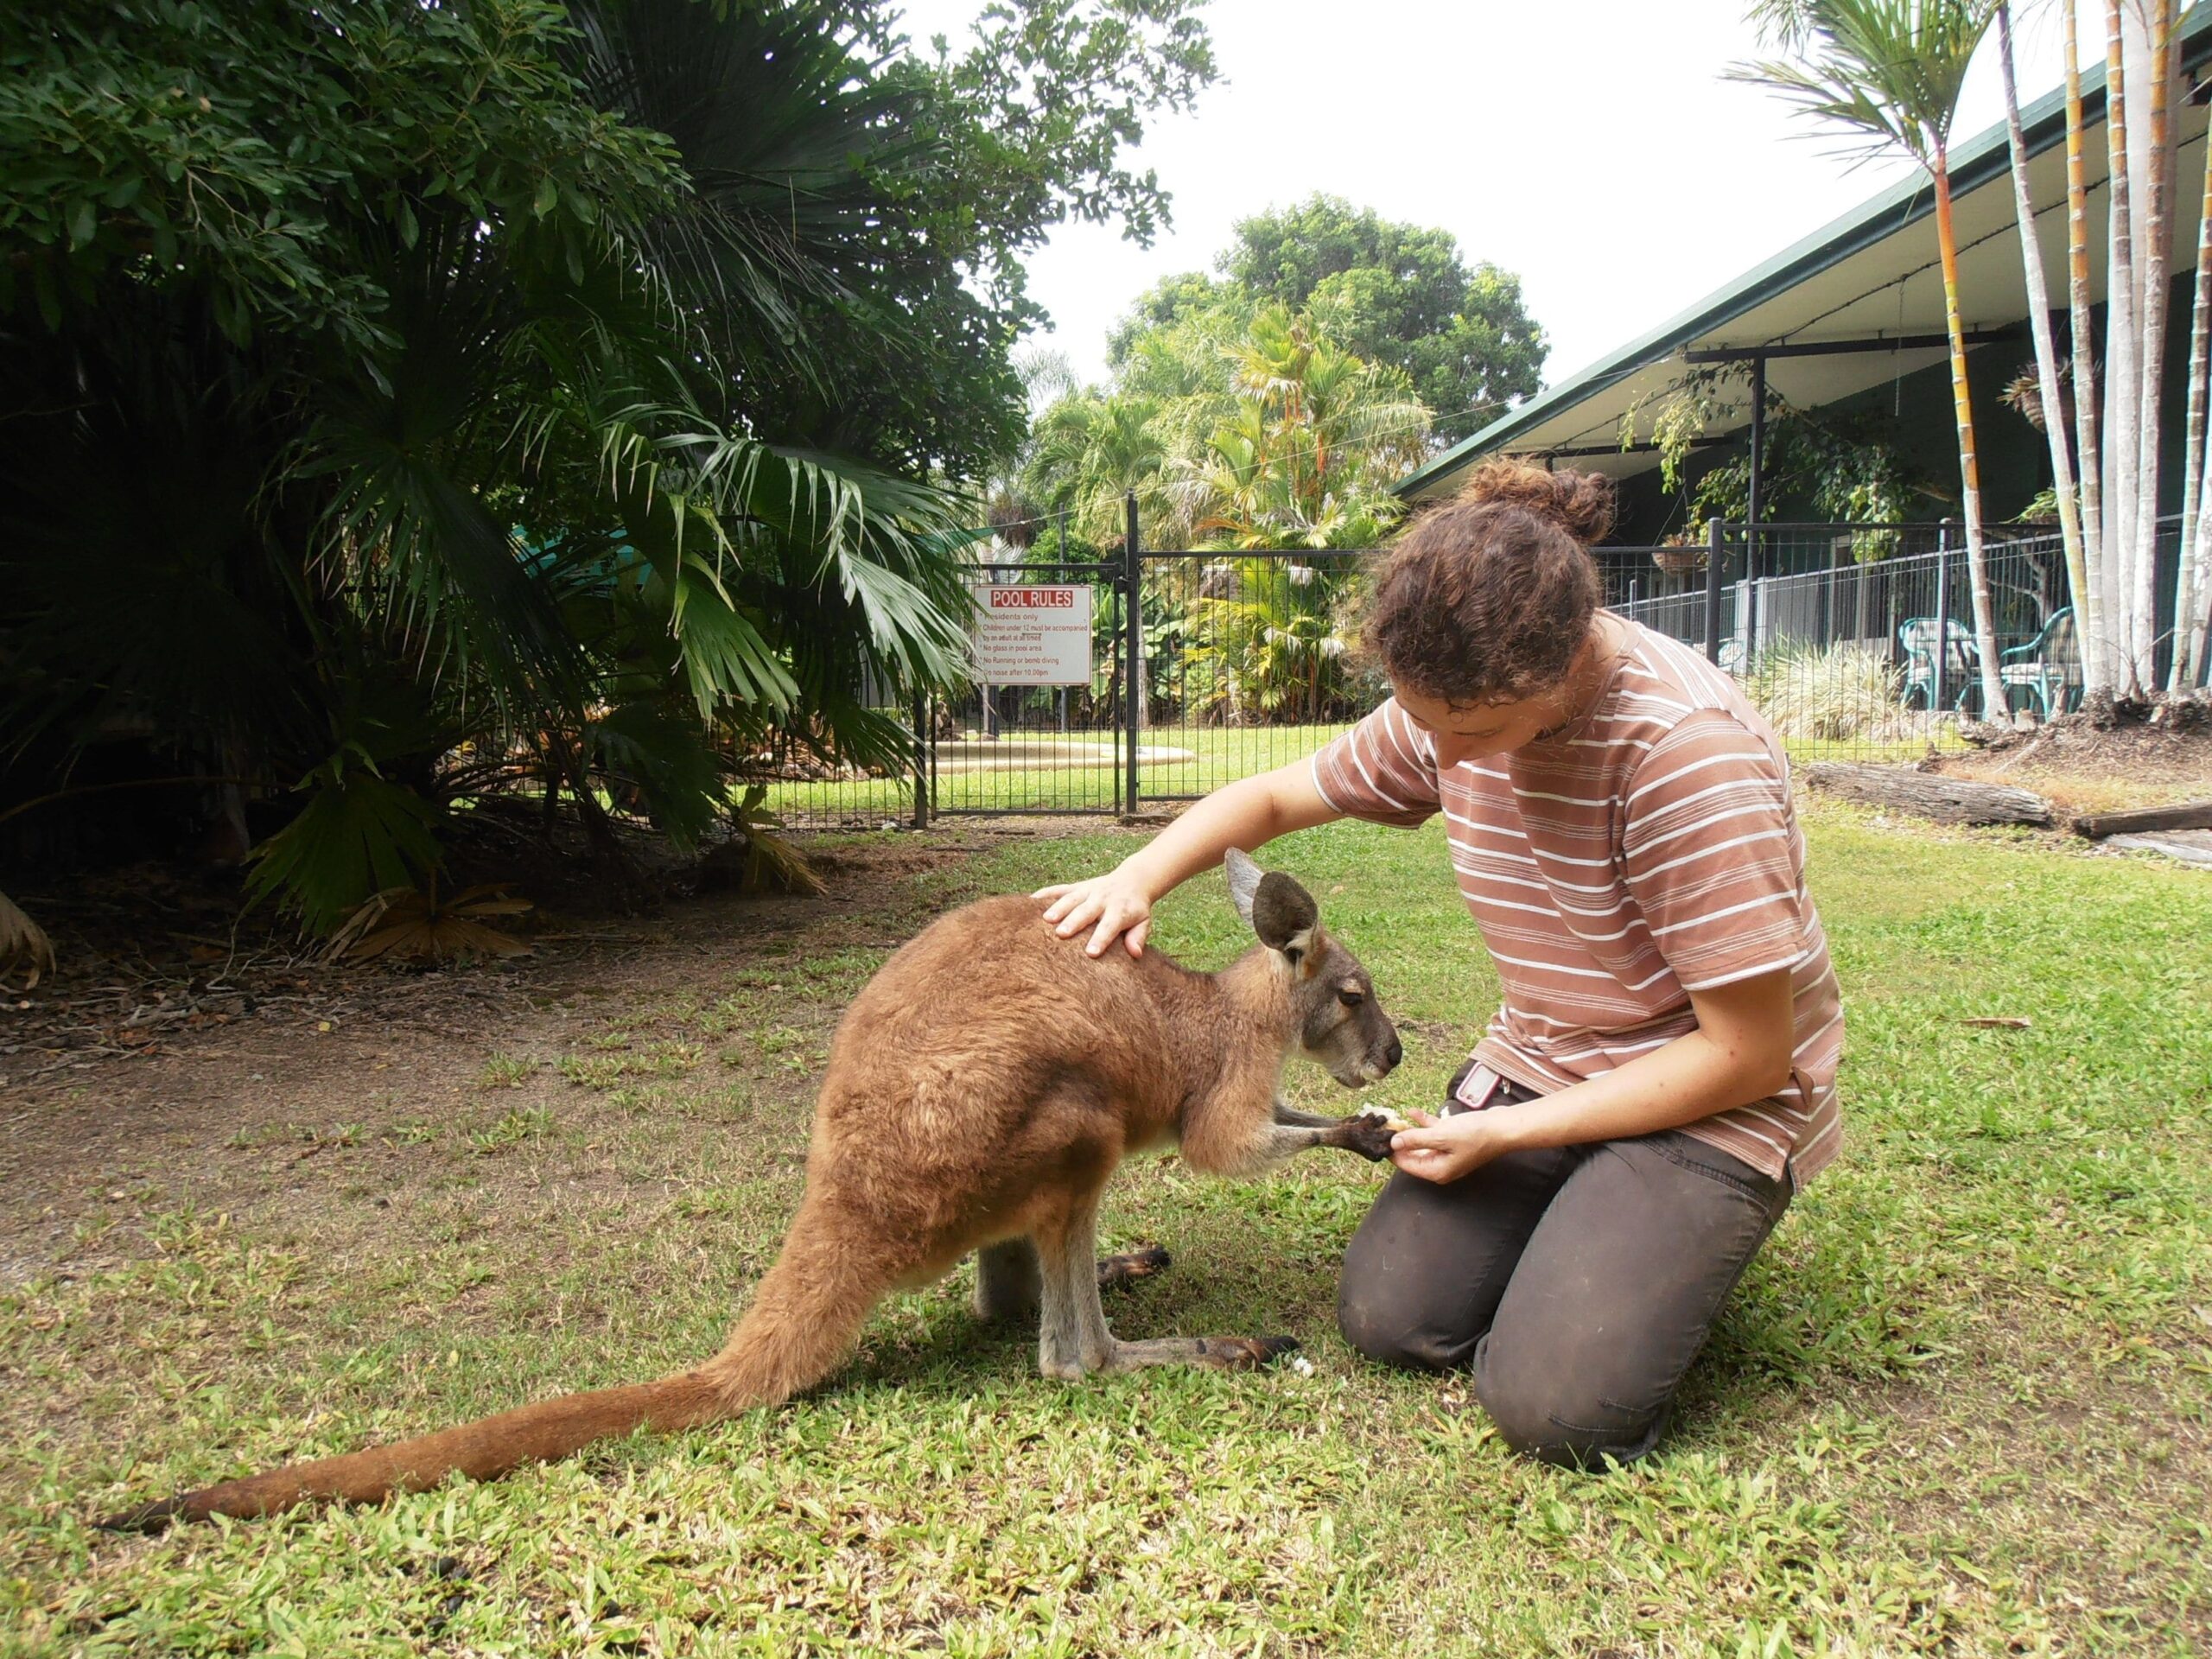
(1442,1149)
(1115,905)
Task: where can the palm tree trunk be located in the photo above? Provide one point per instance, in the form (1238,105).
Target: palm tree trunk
(1984,628)
(2152,274)
(2187,578)
(2088,582)
(2054,402)
(2123,342)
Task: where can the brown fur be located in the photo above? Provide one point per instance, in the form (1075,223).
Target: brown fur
(953,1121)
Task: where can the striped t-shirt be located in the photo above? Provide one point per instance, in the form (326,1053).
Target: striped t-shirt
(1614,866)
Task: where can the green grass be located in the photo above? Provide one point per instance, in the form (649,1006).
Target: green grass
(1961,1405)
(1217,755)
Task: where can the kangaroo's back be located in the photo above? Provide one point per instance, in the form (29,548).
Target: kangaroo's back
(987,1041)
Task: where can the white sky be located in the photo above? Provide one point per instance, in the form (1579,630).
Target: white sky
(1592,147)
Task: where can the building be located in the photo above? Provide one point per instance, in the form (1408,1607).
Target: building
(1847,326)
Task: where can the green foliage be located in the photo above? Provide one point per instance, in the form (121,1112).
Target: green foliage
(1887,71)
(514,396)
(359,834)
(1240,433)
(1397,294)
(1849,468)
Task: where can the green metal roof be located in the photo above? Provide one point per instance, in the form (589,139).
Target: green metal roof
(1978,161)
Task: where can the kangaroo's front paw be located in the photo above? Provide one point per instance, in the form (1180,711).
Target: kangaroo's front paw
(1369,1135)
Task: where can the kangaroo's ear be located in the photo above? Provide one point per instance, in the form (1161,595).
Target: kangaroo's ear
(1244,882)
(1284,915)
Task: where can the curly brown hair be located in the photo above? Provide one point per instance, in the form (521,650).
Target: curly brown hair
(1487,598)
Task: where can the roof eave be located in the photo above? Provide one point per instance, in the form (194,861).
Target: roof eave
(1974,163)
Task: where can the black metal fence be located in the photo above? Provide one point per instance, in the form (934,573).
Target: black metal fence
(1857,641)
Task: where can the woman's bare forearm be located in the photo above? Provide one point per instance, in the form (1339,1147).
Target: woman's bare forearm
(1247,814)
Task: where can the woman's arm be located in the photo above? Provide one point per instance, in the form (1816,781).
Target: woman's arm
(1246,814)
(1739,1052)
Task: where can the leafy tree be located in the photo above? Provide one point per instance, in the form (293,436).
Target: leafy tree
(1392,293)
(408,404)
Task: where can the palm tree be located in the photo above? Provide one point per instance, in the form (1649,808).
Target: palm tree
(531,530)
(2089,590)
(2049,380)
(1890,70)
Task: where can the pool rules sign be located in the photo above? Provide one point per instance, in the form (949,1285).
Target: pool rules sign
(1033,634)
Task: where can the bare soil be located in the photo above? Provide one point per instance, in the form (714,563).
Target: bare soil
(2084,766)
(183,1060)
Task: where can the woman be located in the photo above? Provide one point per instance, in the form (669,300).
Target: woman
(1661,1078)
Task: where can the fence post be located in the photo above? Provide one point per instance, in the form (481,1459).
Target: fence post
(1133,627)
(1942,645)
(921,762)
(1712,590)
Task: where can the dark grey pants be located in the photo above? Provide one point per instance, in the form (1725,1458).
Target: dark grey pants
(1579,1282)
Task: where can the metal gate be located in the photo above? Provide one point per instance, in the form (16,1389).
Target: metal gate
(1241,664)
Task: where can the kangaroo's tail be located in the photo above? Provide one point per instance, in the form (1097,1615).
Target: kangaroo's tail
(804,1319)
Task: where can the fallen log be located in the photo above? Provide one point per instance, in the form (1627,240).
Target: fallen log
(1930,794)
(2182,814)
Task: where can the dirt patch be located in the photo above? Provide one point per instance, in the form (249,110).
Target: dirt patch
(182,1061)
(2085,765)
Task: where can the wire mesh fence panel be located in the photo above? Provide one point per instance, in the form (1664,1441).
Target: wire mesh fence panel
(987,748)
(1037,749)
(1248,666)
(1860,641)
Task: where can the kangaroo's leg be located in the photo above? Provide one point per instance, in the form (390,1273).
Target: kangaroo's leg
(1007,1286)
(1072,1334)
(1074,1326)
(1290,1132)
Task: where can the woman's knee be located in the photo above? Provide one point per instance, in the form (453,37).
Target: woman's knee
(1388,1311)
(1560,1418)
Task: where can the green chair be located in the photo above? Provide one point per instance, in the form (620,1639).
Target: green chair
(2048,668)
(1916,639)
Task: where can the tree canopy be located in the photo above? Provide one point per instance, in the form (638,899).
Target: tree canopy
(412,403)
(1394,294)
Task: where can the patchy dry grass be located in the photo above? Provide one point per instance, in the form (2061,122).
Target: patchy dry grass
(1962,1405)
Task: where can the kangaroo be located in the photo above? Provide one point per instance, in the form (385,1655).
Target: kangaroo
(949,1126)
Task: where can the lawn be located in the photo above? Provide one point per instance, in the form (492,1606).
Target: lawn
(1182,762)
(1961,1405)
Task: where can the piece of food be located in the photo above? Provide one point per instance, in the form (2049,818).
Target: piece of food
(1388,1119)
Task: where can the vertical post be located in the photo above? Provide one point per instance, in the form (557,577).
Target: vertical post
(1713,554)
(921,761)
(1755,510)
(1942,646)
(1063,577)
(1132,647)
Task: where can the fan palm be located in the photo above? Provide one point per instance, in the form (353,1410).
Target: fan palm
(1889,71)
(524,526)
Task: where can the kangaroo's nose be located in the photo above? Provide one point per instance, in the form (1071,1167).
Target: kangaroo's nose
(1396,1052)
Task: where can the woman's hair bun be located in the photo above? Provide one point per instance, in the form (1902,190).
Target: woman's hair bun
(1582,503)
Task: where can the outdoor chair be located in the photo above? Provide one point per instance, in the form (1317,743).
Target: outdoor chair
(1916,639)
(2048,668)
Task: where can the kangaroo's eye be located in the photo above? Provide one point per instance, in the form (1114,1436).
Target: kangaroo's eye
(1350,995)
